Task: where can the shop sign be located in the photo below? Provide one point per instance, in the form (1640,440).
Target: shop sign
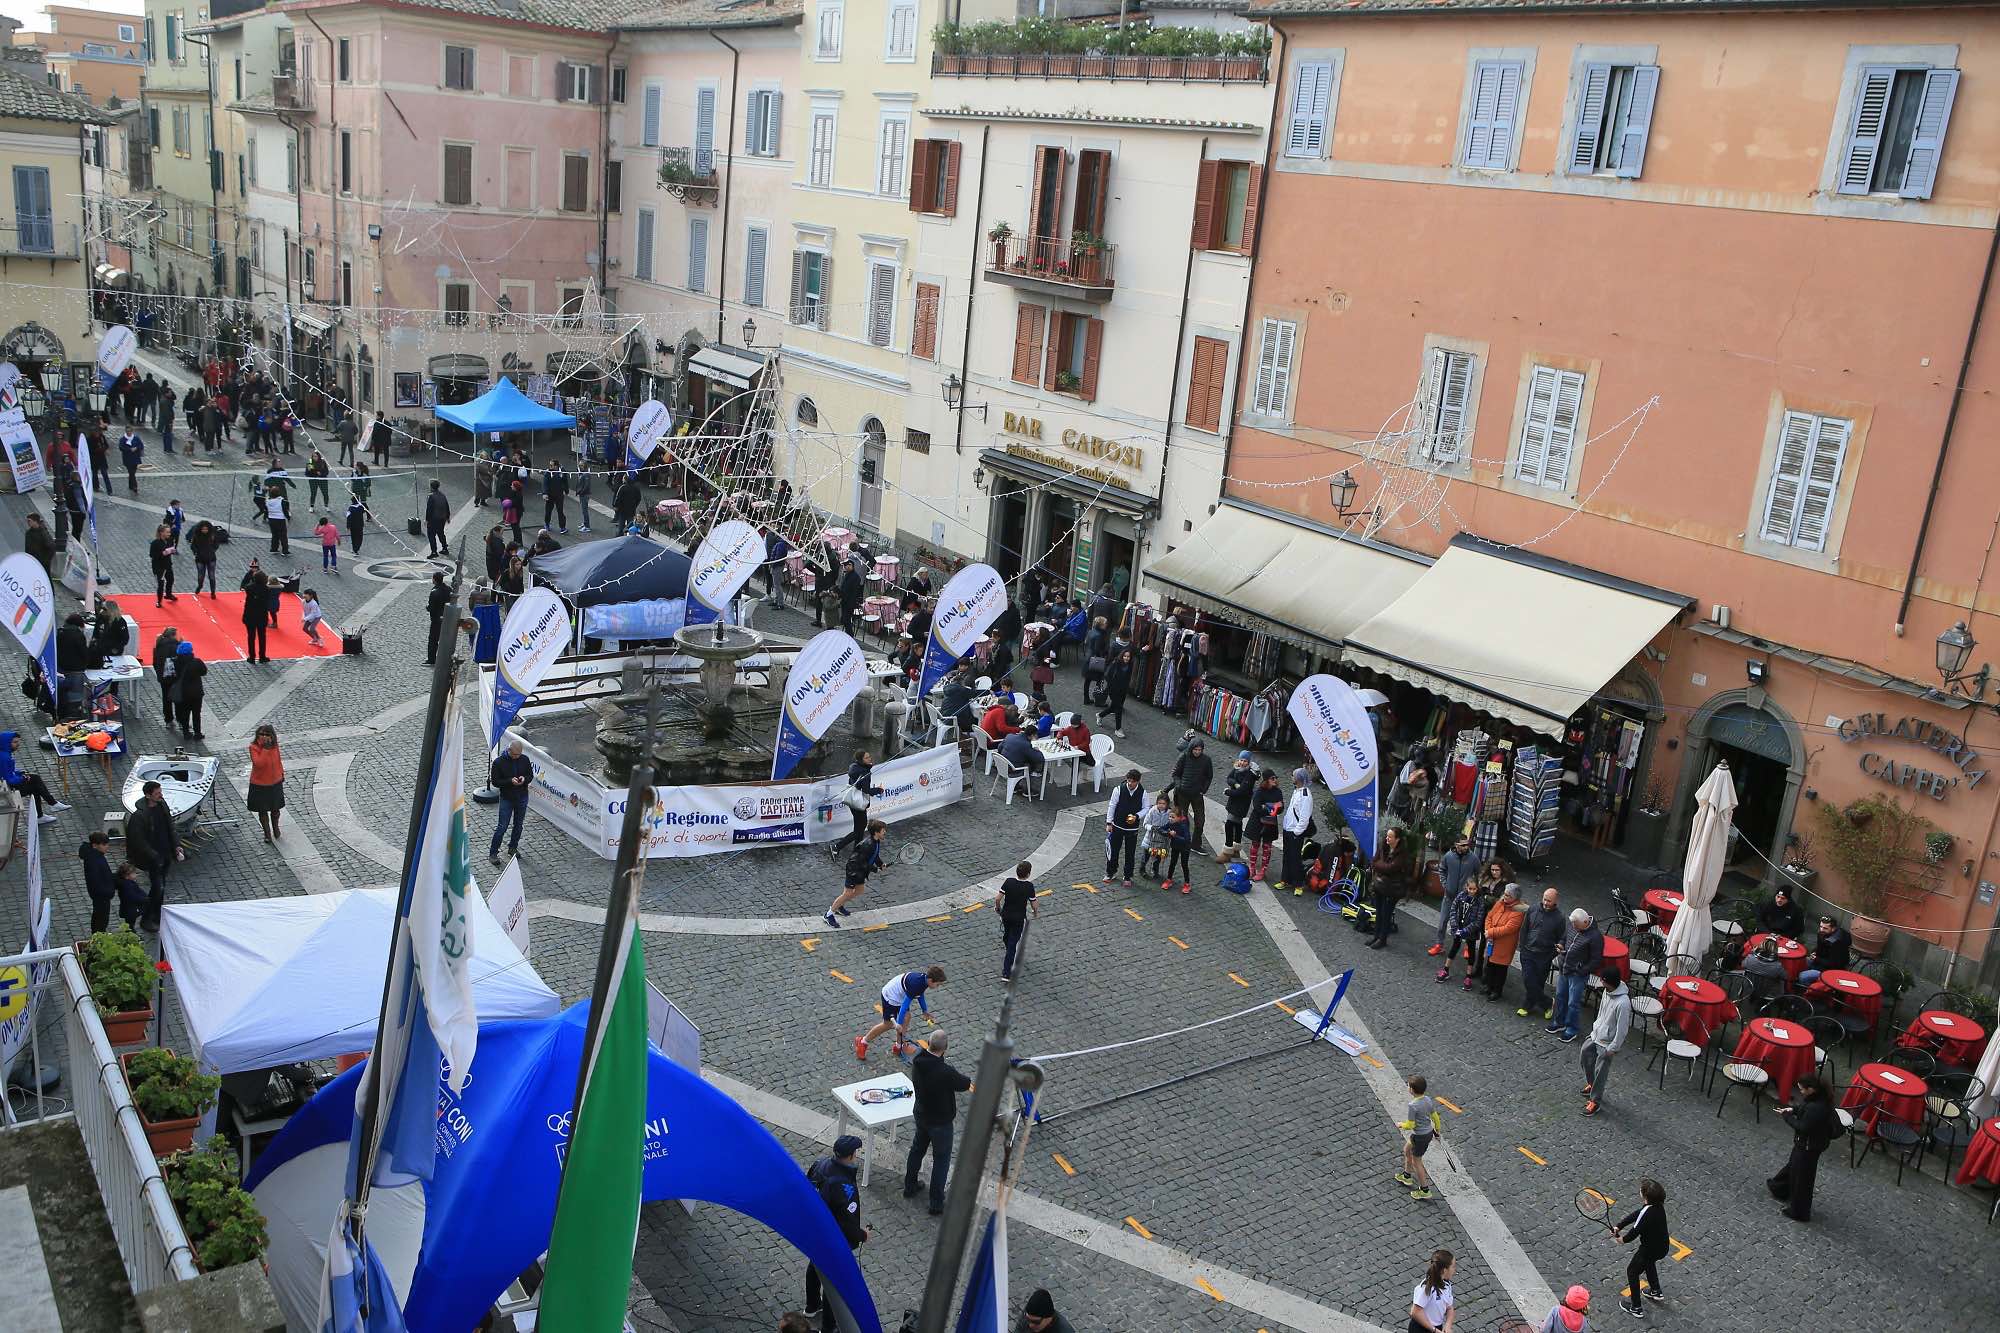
(1918,731)
(1080,570)
(1115,452)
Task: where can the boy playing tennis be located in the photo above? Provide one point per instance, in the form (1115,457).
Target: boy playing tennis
(1423,1125)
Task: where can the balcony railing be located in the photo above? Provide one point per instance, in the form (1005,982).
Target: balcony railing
(688,174)
(1084,269)
(40,238)
(291,92)
(1151,69)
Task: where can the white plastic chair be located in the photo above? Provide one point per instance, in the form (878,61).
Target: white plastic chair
(984,684)
(943,729)
(983,753)
(1021,701)
(1015,775)
(1101,747)
(1064,721)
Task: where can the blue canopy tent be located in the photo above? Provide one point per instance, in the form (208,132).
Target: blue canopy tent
(504,408)
(624,588)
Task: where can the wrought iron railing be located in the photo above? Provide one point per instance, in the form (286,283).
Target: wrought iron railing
(1078,262)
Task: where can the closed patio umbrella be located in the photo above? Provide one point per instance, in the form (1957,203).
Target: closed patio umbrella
(1708,847)
(1988,1073)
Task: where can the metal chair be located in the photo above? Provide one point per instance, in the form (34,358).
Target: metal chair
(1920,1063)
(1735,985)
(1791,1008)
(1958,1085)
(1948,1124)
(1827,1037)
(1905,1140)
(1627,920)
(1646,1013)
(1642,973)
(1676,1048)
(1741,1074)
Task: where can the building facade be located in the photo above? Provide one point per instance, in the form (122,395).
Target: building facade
(185,265)
(1674,364)
(96,55)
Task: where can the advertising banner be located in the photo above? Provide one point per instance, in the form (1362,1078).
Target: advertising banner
(648,427)
(722,564)
(24,455)
(20,987)
(655,618)
(826,675)
(509,904)
(83,476)
(114,353)
(1341,740)
(28,605)
(969,603)
(531,638)
(913,785)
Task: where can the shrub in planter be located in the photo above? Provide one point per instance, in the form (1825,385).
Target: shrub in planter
(171,1093)
(221,1219)
(121,976)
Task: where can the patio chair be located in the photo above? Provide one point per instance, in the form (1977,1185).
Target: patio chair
(983,753)
(1791,1008)
(1677,1047)
(1646,1011)
(1101,748)
(1948,1124)
(1627,920)
(1828,1035)
(1892,1135)
(1741,1074)
(1920,1063)
(1017,775)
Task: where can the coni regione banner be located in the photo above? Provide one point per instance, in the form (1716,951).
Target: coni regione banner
(826,675)
(28,606)
(723,563)
(531,638)
(973,600)
(1341,739)
(649,425)
(114,353)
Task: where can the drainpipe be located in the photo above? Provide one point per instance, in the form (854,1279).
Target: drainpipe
(1950,421)
(604,173)
(332,195)
(1180,337)
(728,184)
(214,167)
(971,291)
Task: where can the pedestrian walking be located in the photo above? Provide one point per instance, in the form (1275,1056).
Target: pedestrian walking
(346,433)
(437,603)
(1193,775)
(899,994)
(190,687)
(937,1087)
(1267,806)
(555,491)
(357,524)
(1117,684)
(1814,1126)
(1122,816)
(318,477)
(160,552)
(1504,923)
(1237,790)
(1420,1125)
(39,543)
(1015,903)
(851,594)
(267,781)
(329,543)
(1433,1307)
(378,443)
(437,513)
(625,503)
(512,775)
(1153,857)
(153,844)
(131,452)
(1581,957)
(861,789)
(835,1179)
(310,616)
(862,862)
(163,414)
(98,881)
(1297,827)
(1180,843)
(163,669)
(1607,1036)
(1541,937)
(361,486)
(278,514)
(1390,875)
(1571,1315)
(258,613)
(1648,1226)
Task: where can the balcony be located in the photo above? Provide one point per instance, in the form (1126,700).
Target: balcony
(1078,267)
(40,238)
(291,92)
(688,174)
(1036,48)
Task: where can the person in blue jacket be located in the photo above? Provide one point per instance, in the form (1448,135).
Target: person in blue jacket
(902,992)
(835,1179)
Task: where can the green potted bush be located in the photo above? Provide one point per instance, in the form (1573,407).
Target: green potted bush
(221,1219)
(171,1093)
(1067,382)
(948,43)
(998,233)
(1937,846)
(121,976)
(1865,841)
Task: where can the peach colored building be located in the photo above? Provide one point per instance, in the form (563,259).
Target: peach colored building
(98,54)
(1655,326)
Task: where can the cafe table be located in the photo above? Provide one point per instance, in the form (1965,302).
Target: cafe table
(1954,1039)
(1697,1006)
(1858,995)
(1619,955)
(1791,953)
(1664,904)
(1982,1156)
(1894,1092)
(1782,1048)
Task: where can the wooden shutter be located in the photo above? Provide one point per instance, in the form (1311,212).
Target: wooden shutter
(593,84)
(1496,100)
(697,254)
(649,133)
(565,81)
(798,286)
(948,200)
(923,326)
(1638,121)
(1093,351)
(1055,363)
(1206,370)
(1548,430)
(1093,182)
(1452,382)
(881,304)
(1051,165)
(1305,124)
(1927,142)
(1822,481)
(1253,192)
(1028,320)
(1864,140)
(920,175)
(756,255)
(1788,470)
(1588,144)
(643,262)
(704,130)
(1206,185)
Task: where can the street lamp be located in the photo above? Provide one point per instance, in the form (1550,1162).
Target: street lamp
(749,333)
(1341,490)
(1954,652)
(954,397)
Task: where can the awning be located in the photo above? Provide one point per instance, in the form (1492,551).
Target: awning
(457,366)
(1303,585)
(1516,635)
(311,323)
(1076,485)
(730,367)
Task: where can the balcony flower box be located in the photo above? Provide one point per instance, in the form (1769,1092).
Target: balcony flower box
(950,64)
(1242,67)
(1130,67)
(171,1094)
(1201,67)
(1086,266)
(1004,64)
(122,981)
(1092,66)
(977,64)
(1063,66)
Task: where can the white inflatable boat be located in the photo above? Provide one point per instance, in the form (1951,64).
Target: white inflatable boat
(186,781)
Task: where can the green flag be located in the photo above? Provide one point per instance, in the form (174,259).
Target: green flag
(597,1210)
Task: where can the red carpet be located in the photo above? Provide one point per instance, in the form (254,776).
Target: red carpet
(215,627)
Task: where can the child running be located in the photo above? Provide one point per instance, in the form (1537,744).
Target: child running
(903,990)
(1423,1125)
(310,615)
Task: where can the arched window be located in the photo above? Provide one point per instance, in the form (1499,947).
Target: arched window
(808,415)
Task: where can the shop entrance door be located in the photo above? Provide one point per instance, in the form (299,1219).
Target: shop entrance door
(1056,548)
(874,454)
(1009,528)
(1760,794)
(1111,561)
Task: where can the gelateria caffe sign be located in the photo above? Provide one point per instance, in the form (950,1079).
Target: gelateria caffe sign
(1956,762)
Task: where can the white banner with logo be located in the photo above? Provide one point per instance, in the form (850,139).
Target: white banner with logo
(24,454)
(649,425)
(1334,723)
(531,638)
(722,564)
(826,675)
(20,986)
(973,600)
(509,904)
(114,353)
(28,606)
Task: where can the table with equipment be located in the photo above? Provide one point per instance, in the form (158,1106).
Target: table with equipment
(871,1103)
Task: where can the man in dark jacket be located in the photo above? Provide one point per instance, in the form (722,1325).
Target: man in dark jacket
(625,504)
(1122,814)
(834,1178)
(39,544)
(98,880)
(1039,1315)
(1781,916)
(1833,950)
(153,843)
(1194,773)
(1582,955)
(1541,936)
(955,695)
(851,593)
(938,1086)
(776,548)
(555,494)
(437,513)
(437,603)
(73,645)
(512,776)
(862,862)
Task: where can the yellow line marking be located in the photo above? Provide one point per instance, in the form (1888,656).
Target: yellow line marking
(840,976)
(1239,981)
(1680,1251)
(1045,893)
(939,918)
(1451,1106)
(1134,915)
(973,907)
(1082,885)
(870,930)
(1202,1283)
(1373,1061)
(809,945)
(1178,940)
(1063,1162)
(1133,1222)
(1538,1161)
(1286,1007)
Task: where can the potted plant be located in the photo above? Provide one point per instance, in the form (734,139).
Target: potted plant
(1086,252)
(1067,382)
(121,977)
(1646,826)
(1864,841)
(1937,846)
(948,44)
(1798,866)
(171,1093)
(998,233)
(221,1219)
(1243,53)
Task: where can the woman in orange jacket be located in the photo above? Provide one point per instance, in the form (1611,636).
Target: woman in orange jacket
(1503,931)
(267,780)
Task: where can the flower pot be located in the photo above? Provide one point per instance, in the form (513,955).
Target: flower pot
(1201,67)
(977,64)
(1870,936)
(163,1136)
(128,1028)
(1063,66)
(951,64)
(1241,67)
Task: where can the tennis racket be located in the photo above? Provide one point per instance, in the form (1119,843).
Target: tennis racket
(1594,1206)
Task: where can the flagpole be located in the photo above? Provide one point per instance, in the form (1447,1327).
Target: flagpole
(993,1076)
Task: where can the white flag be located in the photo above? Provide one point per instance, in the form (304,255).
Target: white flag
(440,927)
(509,904)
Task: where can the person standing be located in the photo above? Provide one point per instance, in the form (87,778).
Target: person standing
(310,616)
(37,542)
(1455,867)
(160,551)
(899,993)
(555,491)
(582,488)
(1648,1226)
(164,668)
(347,433)
(937,1086)
(851,592)
(1422,1123)
(437,513)
(1039,1315)
(1433,1307)
(98,880)
(1389,879)
(153,843)
(278,514)
(267,780)
(318,473)
(1237,791)
(329,543)
(357,524)
(512,776)
(835,1179)
(188,689)
(1297,827)
(1504,921)
(131,452)
(1122,814)
(1117,684)
(1465,920)
(1541,936)
(776,549)
(1814,1126)
(1582,955)
(625,503)
(257,614)
(861,789)
(1015,903)
(1607,1036)
(164,415)
(1193,775)
(378,442)
(437,603)
(862,862)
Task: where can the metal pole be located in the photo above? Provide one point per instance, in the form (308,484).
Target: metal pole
(995,1059)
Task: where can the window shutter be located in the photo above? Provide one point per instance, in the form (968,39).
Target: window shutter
(1496,99)
(798,286)
(1093,183)
(1050,164)
(756,250)
(1205,186)
(1548,433)
(697,254)
(593,84)
(1305,127)
(753,121)
(1027,342)
(1562,429)
(920,176)
(1822,481)
(881,304)
(822,315)
(948,201)
(649,134)
(1788,470)
(1454,390)
(1253,193)
(1281,367)
(704,130)
(895,139)
(563,80)
(1093,351)
(1054,363)
(1927,142)
(923,326)
(1864,141)
(1638,121)
(1205,374)
(1267,357)
(643,262)
(1589,141)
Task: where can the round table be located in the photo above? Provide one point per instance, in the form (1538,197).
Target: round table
(838,538)
(1956,1040)
(887,566)
(1664,904)
(1781,1048)
(1895,1092)
(1859,995)
(1791,954)
(883,607)
(1619,955)
(1982,1156)
(1698,1006)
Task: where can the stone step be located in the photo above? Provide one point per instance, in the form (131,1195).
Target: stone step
(31,1299)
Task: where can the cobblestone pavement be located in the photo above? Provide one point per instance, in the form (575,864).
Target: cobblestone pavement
(1274,1173)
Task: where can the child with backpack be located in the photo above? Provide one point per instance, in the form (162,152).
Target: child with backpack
(1157,842)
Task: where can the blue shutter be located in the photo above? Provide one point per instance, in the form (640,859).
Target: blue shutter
(1864,140)
(34,215)
(1496,103)
(642,263)
(755,254)
(1927,143)
(649,134)
(704,131)
(697,254)
(1589,140)
(1305,130)
(1788,475)
(1638,121)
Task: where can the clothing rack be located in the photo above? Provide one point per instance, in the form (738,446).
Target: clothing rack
(1536,802)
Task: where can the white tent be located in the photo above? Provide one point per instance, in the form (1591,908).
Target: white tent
(277,980)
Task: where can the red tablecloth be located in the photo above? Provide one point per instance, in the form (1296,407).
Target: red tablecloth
(1859,995)
(1791,954)
(1619,955)
(1955,1039)
(1982,1156)
(1664,904)
(1900,1093)
(1698,1006)
(1781,1048)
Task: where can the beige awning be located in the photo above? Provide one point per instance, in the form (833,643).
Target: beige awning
(1303,585)
(1513,634)
(726,366)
